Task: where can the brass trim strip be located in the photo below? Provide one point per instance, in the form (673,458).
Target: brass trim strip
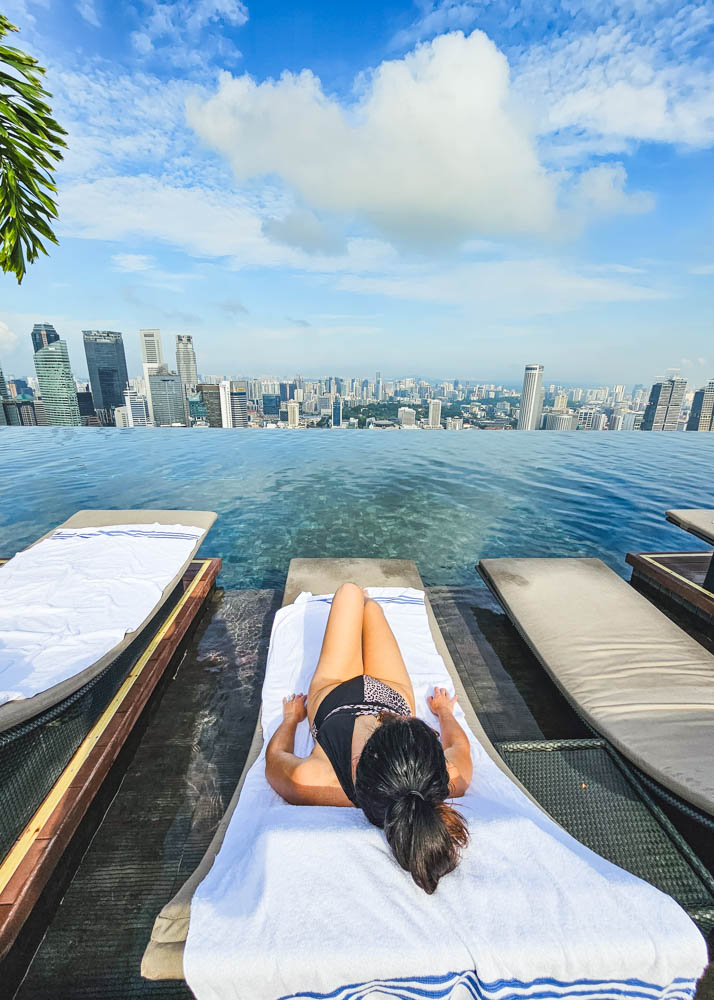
(652,558)
(31,832)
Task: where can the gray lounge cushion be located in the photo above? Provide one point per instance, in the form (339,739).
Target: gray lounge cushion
(698,522)
(163,958)
(632,674)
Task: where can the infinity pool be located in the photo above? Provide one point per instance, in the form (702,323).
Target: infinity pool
(443,499)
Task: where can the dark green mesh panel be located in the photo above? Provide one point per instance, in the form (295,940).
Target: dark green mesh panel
(590,791)
(34,753)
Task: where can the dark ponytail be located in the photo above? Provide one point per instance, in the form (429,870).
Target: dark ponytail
(401,785)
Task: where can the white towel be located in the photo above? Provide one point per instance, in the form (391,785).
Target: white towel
(71,598)
(309,902)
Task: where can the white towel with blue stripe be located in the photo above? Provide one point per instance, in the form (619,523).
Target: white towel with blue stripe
(308,901)
(68,600)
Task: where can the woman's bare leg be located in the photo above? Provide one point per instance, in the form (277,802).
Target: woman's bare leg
(381,654)
(341,654)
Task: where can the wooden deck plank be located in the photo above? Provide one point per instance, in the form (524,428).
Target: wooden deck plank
(679,573)
(50,839)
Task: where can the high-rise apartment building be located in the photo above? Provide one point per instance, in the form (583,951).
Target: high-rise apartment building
(531,407)
(406,416)
(664,405)
(293,414)
(121,417)
(136,409)
(454,423)
(151,350)
(434,413)
(559,420)
(186,361)
(57,388)
(106,364)
(234,403)
(631,420)
(271,404)
(561,401)
(701,416)
(167,399)
(43,334)
(211,398)
(337,412)
(239,403)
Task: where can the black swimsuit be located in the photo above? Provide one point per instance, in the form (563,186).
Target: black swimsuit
(335,720)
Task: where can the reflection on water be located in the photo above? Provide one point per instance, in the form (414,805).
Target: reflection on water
(444,499)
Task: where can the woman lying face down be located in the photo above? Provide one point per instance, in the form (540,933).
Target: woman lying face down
(370,750)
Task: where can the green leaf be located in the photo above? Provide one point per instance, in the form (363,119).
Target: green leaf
(31,142)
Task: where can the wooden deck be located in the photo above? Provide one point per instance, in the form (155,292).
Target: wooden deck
(26,870)
(677,577)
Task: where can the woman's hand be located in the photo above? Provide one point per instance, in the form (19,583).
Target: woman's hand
(440,701)
(295,708)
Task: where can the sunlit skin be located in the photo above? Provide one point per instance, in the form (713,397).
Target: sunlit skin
(357,640)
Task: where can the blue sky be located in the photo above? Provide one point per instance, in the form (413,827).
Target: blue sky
(434,188)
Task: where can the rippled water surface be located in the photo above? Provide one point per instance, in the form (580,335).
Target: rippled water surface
(443,499)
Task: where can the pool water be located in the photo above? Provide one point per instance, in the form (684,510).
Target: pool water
(444,499)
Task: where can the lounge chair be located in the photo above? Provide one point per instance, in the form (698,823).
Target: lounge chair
(39,732)
(630,672)
(166,952)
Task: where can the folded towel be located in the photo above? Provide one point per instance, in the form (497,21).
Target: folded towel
(71,598)
(309,901)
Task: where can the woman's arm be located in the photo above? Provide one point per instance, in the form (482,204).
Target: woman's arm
(454,741)
(299,780)
(280,760)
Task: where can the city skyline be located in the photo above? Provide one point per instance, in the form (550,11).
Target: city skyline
(549,196)
(162,397)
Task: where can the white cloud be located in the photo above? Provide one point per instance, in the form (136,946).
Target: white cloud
(8,339)
(430,153)
(621,83)
(600,191)
(435,19)
(88,11)
(506,288)
(172,26)
(202,222)
(131,262)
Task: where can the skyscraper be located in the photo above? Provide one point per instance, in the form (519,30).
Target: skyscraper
(57,388)
(665,404)
(531,407)
(701,417)
(271,404)
(167,399)
(225,396)
(434,413)
(186,361)
(293,414)
(211,399)
(406,416)
(43,334)
(337,413)
(151,351)
(136,409)
(239,403)
(106,364)
(4,397)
